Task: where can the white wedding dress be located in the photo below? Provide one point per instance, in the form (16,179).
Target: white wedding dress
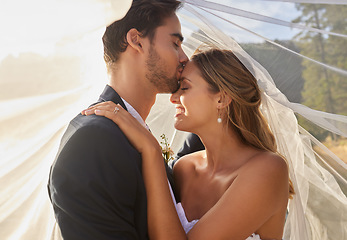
(187,225)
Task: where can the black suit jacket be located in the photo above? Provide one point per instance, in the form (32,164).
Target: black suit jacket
(95,185)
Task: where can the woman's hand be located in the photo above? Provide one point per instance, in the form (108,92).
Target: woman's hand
(160,226)
(139,136)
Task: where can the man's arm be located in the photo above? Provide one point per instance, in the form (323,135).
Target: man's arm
(95,185)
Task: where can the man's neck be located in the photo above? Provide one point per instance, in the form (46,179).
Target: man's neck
(141,98)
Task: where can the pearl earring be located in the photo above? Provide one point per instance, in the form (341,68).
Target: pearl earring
(219,119)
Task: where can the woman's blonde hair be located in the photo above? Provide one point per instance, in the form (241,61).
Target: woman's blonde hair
(225,73)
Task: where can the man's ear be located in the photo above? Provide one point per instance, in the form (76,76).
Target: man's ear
(223,100)
(134,40)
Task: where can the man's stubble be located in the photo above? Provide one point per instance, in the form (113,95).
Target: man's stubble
(158,75)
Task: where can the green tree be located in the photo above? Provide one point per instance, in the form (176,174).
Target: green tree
(284,67)
(323,89)
(336,16)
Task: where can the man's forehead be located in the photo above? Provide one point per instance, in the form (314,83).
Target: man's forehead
(172,27)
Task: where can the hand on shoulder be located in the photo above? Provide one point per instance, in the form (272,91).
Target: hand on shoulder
(139,136)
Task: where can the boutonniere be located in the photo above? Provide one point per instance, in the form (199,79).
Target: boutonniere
(166,149)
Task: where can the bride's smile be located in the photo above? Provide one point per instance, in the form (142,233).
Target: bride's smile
(194,101)
(179,111)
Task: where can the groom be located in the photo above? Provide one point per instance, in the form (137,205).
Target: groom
(96,184)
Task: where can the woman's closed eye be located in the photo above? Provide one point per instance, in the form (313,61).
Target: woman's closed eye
(183,86)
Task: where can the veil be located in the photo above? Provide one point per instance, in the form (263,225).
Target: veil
(318,209)
(51,67)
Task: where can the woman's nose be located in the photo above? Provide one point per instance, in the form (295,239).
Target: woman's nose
(174,98)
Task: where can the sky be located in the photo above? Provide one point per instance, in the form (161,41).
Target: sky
(37,24)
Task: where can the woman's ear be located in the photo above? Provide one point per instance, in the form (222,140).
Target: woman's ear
(134,40)
(223,100)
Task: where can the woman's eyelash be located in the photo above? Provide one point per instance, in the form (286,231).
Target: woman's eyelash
(184,88)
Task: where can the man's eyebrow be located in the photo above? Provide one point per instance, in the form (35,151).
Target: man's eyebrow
(178,35)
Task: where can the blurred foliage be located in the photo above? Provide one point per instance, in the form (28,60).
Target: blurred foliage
(285,68)
(323,89)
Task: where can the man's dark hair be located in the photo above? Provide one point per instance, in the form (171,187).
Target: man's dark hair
(145,16)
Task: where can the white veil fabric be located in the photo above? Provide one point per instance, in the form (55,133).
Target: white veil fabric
(51,67)
(318,210)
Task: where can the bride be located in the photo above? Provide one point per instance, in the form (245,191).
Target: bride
(238,187)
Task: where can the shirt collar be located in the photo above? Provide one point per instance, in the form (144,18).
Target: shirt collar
(134,113)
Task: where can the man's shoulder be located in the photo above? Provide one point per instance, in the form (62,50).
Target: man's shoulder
(93,121)
(94,125)
(94,141)
(94,132)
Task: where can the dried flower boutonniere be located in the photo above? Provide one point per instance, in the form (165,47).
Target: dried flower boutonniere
(166,149)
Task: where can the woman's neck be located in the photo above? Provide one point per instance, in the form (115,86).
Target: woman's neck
(224,149)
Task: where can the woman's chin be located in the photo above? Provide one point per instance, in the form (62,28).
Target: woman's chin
(180,126)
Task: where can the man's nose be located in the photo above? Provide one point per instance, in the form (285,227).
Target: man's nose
(183,57)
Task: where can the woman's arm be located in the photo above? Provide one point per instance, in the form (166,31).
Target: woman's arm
(257,194)
(163,222)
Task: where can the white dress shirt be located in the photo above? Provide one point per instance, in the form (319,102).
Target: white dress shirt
(135,114)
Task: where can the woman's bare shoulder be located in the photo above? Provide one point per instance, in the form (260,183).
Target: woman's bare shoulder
(267,162)
(258,192)
(268,170)
(188,163)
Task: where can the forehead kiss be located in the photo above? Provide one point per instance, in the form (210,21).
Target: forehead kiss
(190,71)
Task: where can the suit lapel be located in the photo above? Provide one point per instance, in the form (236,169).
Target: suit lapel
(109,94)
